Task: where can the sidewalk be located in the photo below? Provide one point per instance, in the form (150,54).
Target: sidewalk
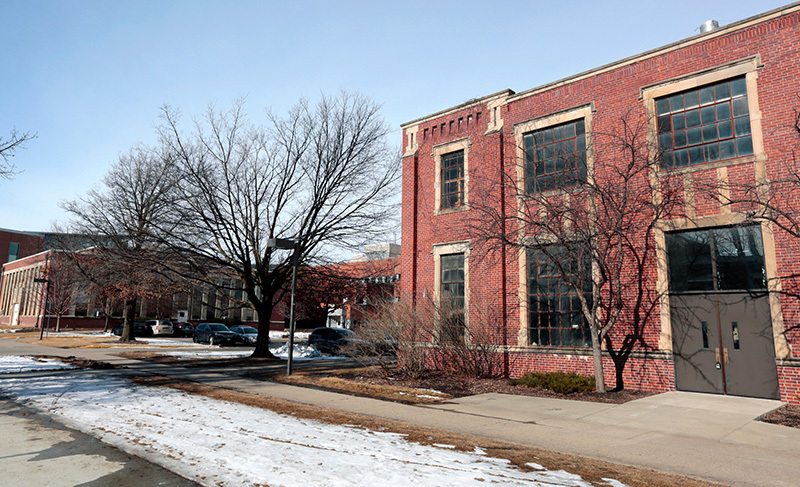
(44,452)
(711,437)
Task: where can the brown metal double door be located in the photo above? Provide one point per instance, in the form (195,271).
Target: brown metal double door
(723,343)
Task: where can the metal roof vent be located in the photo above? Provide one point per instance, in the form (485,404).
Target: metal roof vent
(708,26)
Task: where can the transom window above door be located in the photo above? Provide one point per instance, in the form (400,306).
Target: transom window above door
(716,259)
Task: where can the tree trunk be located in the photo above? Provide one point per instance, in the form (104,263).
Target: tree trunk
(597,354)
(105,328)
(127,329)
(619,366)
(58,323)
(620,359)
(262,342)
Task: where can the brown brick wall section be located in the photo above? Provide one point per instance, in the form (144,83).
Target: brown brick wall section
(28,244)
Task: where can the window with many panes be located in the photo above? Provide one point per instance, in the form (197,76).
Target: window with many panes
(555,157)
(452,165)
(706,124)
(452,297)
(554,308)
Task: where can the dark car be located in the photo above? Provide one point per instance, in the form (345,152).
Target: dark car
(140,329)
(336,340)
(182,329)
(214,334)
(246,334)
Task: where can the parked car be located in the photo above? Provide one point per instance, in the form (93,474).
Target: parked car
(336,341)
(140,329)
(214,334)
(246,334)
(381,343)
(182,329)
(160,327)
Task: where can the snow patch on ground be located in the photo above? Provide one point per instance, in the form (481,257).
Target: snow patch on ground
(300,351)
(15,364)
(209,354)
(422,396)
(229,444)
(299,336)
(613,483)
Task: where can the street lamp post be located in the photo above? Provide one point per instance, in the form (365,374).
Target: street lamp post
(285,243)
(46,282)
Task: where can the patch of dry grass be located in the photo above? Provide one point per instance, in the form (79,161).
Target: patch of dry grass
(75,342)
(591,470)
(402,394)
(103,341)
(7,332)
(205,361)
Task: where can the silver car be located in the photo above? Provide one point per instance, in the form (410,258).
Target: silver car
(160,327)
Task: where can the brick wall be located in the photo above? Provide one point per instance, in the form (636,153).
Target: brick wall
(29,244)
(612,92)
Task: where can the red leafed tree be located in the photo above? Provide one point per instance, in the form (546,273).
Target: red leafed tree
(66,284)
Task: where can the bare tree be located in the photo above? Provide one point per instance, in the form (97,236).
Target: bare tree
(320,176)
(66,283)
(118,222)
(587,222)
(402,330)
(771,195)
(8,147)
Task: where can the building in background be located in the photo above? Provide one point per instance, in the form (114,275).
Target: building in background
(373,282)
(350,289)
(16,244)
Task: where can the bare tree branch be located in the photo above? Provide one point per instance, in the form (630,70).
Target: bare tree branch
(8,147)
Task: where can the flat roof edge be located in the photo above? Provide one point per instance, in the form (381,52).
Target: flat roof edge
(724,30)
(466,104)
(23,232)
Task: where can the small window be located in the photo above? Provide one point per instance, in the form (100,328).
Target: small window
(452,297)
(452,165)
(706,124)
(555,157)
(13,252)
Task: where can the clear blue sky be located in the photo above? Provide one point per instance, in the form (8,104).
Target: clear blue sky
(89,76)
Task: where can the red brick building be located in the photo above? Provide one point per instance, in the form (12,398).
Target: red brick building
(365,286)
(722,107)
(15,244)
(73,303)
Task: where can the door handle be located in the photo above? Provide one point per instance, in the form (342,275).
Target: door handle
(725,354)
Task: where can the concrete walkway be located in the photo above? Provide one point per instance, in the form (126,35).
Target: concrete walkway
(38,451)
(716,438)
